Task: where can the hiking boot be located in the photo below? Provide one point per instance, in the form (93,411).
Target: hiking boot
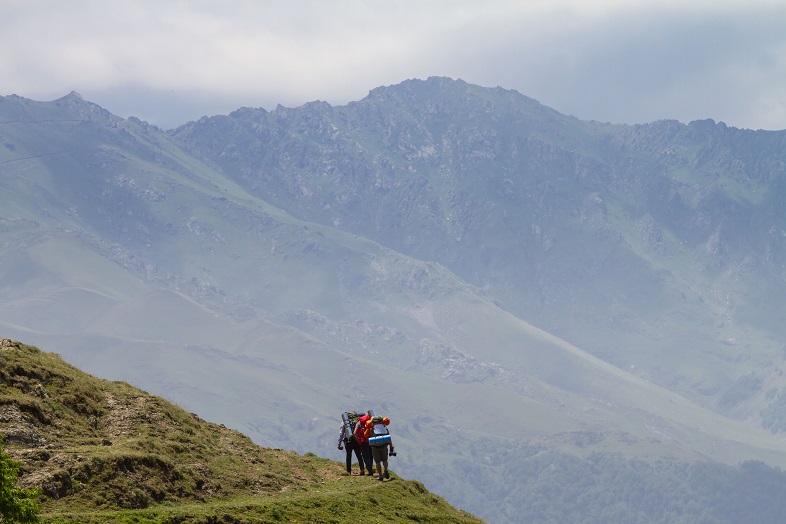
(387,475)
(380,478)
(370,473)
(362,472)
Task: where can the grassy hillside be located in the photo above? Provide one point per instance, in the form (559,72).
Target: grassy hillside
(108,452)
(139,263)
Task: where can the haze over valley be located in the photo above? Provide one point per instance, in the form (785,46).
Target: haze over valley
(530,297)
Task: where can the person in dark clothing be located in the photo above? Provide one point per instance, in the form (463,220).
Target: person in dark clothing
(350,444)
(361,436)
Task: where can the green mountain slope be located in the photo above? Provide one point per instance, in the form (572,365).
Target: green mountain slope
(138,262)
(656,247)
(105,451)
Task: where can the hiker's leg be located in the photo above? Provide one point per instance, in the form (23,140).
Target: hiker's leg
(359,456)
(377,460)
(349,458)
(367,458)
(383,458)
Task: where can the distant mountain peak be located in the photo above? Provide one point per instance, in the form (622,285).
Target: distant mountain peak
(73,95)
(81,108)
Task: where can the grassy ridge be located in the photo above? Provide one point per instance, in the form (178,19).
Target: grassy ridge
(337,501)
(106,451)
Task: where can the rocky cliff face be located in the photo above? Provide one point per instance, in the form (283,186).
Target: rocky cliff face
(609,236)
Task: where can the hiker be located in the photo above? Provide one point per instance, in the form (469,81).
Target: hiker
(380,443)
(361,436)
(348,441)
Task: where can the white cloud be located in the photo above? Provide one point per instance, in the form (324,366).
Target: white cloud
(607,60)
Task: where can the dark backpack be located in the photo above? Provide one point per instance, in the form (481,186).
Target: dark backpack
(350,420)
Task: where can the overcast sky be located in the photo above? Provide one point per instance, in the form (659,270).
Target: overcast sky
(635,61)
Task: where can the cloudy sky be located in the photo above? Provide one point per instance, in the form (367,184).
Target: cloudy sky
(621,61)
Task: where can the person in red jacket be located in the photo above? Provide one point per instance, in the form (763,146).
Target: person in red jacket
(361,435)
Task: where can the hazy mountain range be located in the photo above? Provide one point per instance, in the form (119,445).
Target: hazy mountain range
(517,289)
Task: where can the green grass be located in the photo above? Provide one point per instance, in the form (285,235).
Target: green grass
(114,453)
(343,500)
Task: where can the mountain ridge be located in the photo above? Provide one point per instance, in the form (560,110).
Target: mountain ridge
(553,187)
(201,277)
